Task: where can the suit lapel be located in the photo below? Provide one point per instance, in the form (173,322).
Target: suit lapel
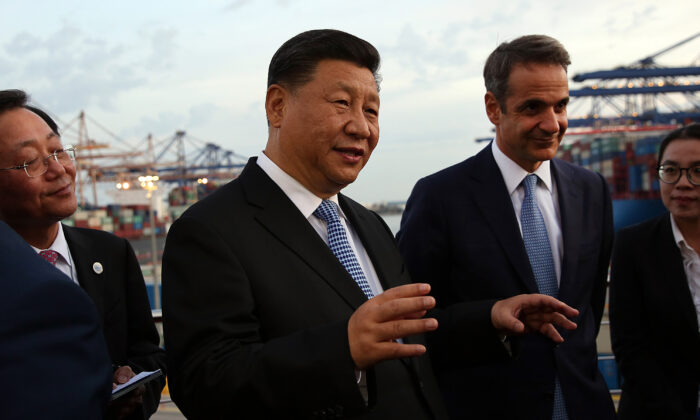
(374,245)
(83,255)
(380,254)
(570,208)
(671,271)
(497,209)
(286,223)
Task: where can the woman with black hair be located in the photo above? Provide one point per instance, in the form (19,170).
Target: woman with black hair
(655,293)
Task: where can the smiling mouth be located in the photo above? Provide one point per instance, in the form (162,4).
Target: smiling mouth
(60,190)
(350,151)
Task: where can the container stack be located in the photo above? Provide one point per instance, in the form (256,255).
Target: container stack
(131,222)
(627,163)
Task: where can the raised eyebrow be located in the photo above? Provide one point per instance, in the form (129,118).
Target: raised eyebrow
(531,101)
(353,90)
(32,142)
(373,97)
(26,143)
(673,162)
(346,87)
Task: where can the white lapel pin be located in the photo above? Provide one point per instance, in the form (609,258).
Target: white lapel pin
(97,268)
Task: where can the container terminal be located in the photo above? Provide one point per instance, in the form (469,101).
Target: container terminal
(617,118)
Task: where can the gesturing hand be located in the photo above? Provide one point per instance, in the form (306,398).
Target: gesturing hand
(396,313)
(523,314)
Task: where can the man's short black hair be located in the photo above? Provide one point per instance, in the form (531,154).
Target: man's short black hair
(527,49)
(11,99)
(15,98)
(690,131)
(295,61)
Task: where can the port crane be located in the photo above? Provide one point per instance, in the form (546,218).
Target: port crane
(642,93)
(178,159)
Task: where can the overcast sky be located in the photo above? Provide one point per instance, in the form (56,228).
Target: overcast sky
(200,66)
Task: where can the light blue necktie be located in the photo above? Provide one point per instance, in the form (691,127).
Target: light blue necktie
(338,242)
(539,253)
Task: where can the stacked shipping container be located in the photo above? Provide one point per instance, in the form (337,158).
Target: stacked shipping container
(131,222)
(627,163)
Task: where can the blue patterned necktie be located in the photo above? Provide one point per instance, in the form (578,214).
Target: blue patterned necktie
(539,253)
(338,242)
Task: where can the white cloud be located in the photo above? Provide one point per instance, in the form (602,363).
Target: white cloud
(138,67)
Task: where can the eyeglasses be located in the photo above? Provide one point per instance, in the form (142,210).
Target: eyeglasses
(670,174)
(38,166)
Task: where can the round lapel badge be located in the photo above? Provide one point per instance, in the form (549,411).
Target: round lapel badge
(97,268)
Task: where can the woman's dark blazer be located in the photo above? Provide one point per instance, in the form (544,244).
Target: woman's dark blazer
(653,324)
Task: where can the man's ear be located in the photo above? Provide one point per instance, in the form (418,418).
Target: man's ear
(275,104)
(493,108)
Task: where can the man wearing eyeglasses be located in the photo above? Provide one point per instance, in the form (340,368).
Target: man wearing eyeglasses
(37,191)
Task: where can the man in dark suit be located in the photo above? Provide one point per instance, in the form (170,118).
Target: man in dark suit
(283,298)
(37,183)
(53,358)
(475,231)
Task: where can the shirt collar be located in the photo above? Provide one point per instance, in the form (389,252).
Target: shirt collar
(678,236)
(513,174)
(60,245)
(306,201)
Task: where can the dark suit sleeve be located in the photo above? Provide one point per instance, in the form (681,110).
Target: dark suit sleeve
(53,358)
(465,329)
(223,364)
(643,375)
(143,350)
(600,283)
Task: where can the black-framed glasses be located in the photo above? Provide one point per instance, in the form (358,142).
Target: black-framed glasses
(670,174)
(37,167)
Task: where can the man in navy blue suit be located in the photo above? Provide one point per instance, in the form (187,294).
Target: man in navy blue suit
(53,358)
(477,231)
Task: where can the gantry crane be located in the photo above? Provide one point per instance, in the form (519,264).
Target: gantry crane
(642,93)
(179,158)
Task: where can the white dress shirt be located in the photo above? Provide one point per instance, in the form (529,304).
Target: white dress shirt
(545,194)
(307,203)
(64,262)
(691,266)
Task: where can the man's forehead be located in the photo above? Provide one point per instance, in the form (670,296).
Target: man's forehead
(21,129)
(538,80)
